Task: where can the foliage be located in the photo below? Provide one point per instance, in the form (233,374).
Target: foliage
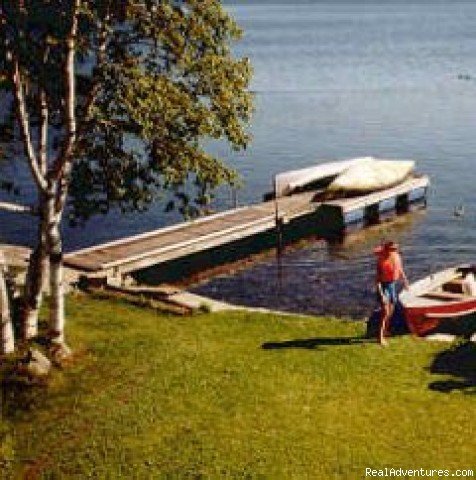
(238,395)
(155,81)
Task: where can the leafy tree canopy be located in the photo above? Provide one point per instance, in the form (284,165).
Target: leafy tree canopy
(154,80)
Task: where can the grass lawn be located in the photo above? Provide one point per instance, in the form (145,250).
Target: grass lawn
(239,395)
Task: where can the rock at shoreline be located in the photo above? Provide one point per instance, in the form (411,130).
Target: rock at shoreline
(36,364)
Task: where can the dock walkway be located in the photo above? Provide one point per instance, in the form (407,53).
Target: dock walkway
(141,251)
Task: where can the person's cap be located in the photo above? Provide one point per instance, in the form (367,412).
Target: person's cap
(390,246)
(385,247)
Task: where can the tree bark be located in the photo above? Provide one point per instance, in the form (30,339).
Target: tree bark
(55,251)
(35,281)
(7,338)
(33,293)
(22,115)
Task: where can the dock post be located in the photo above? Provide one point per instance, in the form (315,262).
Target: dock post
(371,214)
(279,236)
(277,220)
(402,204)
(115,277)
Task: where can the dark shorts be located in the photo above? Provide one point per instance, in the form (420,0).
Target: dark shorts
(389,290)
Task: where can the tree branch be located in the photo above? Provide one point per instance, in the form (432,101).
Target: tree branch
(25,127)
(69,78)
(43,133)
(90,99)
(62,166)
(44,123)
(21,110)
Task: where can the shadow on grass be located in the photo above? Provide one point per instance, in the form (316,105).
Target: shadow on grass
(312,343)
(19,396)
(460,362)
(21,392)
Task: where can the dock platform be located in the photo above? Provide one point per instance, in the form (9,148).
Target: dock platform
(14,256)
(119,258)
(337,215)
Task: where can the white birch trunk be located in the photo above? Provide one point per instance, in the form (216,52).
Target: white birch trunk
(57,317)
(34,289)
(36,277)
(31,307)
(7,338)
(55,251)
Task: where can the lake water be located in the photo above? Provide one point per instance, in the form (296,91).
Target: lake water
(336,81)
(350,79)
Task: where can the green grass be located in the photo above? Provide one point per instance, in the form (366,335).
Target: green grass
(154,396)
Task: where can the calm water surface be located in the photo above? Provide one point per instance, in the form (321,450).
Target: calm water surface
(338,81)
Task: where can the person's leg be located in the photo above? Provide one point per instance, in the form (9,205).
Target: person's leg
(384,319)
(391,309)
(393,298)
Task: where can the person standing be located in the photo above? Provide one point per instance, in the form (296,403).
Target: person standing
(389,272)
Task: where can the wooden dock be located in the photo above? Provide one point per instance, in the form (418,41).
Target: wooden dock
(121,257)
(118,258)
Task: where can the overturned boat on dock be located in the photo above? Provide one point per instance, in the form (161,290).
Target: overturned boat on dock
(321,175)
(356,176)
(371,175)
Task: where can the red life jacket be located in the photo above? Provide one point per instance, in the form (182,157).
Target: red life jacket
(386,269)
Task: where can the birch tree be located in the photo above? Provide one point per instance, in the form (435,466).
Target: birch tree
(113,102)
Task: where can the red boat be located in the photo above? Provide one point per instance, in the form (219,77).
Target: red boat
(433,299)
